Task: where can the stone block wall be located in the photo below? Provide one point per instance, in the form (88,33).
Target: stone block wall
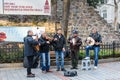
(83,18)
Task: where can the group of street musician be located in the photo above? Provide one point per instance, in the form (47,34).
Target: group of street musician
(58,41)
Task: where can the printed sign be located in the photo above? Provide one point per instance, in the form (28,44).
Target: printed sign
(26,7)
(16,34)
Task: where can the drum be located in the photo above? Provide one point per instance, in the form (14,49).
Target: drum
(90,41)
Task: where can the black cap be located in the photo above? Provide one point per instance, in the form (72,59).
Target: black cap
(75,32)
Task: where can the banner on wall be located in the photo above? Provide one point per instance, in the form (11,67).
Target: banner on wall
(17,34)
(25,7)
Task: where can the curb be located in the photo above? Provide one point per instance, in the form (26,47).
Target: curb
(17,65)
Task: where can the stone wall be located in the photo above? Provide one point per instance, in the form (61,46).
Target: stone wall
(83,18)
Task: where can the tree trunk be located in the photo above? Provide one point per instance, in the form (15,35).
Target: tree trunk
(64,24)
(116,15)
(55,15)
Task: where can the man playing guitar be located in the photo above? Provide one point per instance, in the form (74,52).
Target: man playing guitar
(96,41)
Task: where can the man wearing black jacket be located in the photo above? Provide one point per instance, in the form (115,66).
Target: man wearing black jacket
(44,52)
(59,44)
(29,51)
(75,42)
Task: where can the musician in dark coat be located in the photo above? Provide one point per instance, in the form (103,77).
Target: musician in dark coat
(75,42)
(59,46)
(29,51)
(44,52)
(96,47)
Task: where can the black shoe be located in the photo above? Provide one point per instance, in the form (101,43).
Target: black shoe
(73,68)
(63,69)
(31,75)
(49,71)
(58,70)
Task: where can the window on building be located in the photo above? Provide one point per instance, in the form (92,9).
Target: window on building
(105,1)
(104,14)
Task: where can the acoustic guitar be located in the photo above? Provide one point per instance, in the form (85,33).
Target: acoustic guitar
(36,48)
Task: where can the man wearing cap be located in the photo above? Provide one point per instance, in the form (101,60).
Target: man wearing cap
(75,42)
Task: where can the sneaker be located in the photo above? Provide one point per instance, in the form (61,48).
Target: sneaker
(87,58)
(30,75)
(63,69)
(95,67)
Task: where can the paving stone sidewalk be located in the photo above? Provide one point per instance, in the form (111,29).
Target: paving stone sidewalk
(105,71)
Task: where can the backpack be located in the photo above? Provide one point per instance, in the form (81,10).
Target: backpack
(70,73)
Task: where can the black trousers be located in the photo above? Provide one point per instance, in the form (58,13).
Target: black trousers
(74,58)
(30,63)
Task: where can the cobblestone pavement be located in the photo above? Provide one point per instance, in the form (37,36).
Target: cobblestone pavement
(105,71)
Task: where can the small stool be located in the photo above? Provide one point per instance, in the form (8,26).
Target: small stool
(86,64)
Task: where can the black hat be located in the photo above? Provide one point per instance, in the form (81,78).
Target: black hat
(75,32)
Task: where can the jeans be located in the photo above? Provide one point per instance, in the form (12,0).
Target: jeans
(59,59)
(30,63)
(40,56)
(45,62)
(96,52)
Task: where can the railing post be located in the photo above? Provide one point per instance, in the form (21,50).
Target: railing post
(113,48)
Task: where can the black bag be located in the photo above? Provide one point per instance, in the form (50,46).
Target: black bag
(35,61)
(70,73)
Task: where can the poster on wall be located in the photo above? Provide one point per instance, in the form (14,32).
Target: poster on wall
(26,7)
(17,34)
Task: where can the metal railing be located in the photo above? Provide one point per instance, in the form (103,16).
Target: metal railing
(107,50)
(13,52)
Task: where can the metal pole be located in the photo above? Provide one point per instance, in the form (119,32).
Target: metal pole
(113,49)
